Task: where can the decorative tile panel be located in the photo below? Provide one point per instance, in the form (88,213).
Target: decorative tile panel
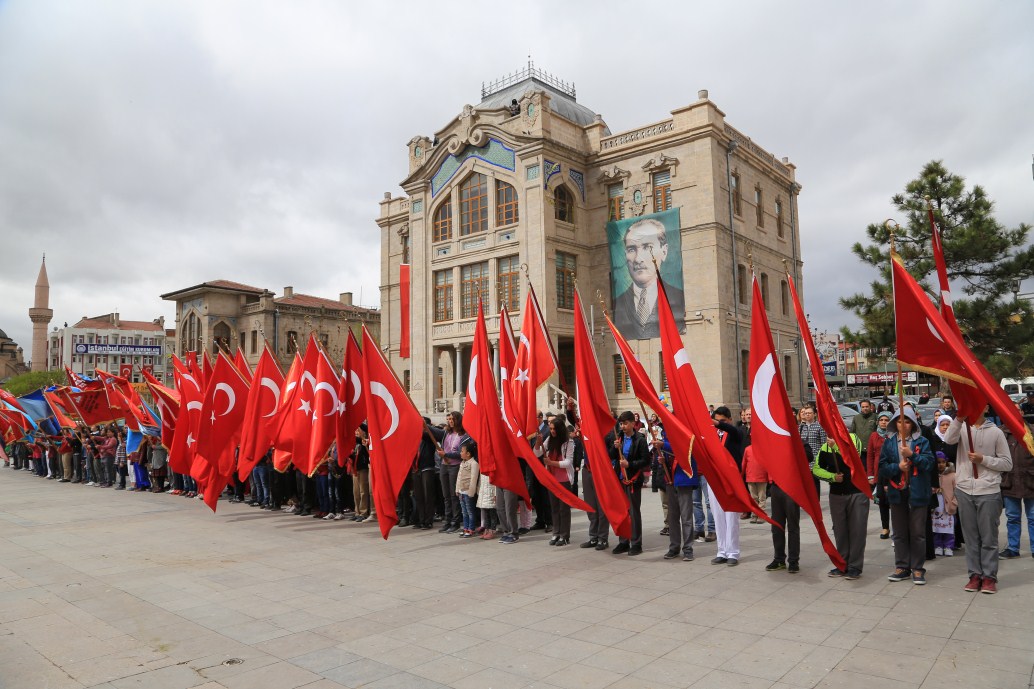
(494,152)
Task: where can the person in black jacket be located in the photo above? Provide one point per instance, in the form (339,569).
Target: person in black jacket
(424,486)
(630,457)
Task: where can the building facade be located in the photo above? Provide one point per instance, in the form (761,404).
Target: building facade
(250,318)
(12,358)
(125,348)
(526,185)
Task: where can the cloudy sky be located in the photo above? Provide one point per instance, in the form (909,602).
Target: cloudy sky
(147,145)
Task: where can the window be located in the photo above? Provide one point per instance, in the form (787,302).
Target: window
(779,218)
(660,367)
(443,295)
(565,274)
(784,298)
(764,290)
(473,285)
(474,205)
(787,370)
(759,206)
(737,206)
(509,283)
(563,205)
(615,201)
(442,222)
(405,380)
(505,204)
(744,368)
(254,342)
(622,381)
(405,248)
(325,340)
(661,191)
(292,341)
(741,282)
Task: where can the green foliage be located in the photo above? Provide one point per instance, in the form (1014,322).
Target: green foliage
(983,257)
(30,382)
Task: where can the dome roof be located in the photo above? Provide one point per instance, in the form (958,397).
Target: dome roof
(559,102)
(3,335)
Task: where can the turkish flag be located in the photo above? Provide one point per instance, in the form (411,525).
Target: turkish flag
(222,413)
(829,414)
(597,422)
(206,369)
(352,411)
(282,454)
(536,362)
(773,435)
(325,408)
(295,417)
(125,371)
(168,402)
(925,341)
(507,366)
(184,440)
(712,457)
(396,429)
(10,399)
(259,413)
(242,364)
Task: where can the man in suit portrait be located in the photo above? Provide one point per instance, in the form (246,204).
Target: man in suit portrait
(635,309)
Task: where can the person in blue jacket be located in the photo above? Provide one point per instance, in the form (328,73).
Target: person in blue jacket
(680,487)
(905,462)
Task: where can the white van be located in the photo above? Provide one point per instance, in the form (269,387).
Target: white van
(1017,386)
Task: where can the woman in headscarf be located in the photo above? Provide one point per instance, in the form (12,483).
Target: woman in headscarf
(872,469)
(940,445)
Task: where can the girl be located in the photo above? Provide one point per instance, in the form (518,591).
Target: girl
(487,505)
(557,452)
(467,485)
(905,462)
(360,466)
(944,514)
(872,466)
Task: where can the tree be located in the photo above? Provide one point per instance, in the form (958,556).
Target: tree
(30,382)
(985,259)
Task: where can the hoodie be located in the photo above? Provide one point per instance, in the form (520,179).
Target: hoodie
(989,441)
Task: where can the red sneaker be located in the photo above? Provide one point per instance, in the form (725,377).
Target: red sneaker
(974,583)
(989,585)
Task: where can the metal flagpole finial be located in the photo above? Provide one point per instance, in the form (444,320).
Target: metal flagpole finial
(524,269)
(929,203)
(603,303)
(750,260)
(892,226)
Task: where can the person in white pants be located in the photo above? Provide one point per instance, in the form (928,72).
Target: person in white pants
(727,528)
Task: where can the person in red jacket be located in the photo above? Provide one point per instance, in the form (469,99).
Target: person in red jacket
(872,463)
(757,479)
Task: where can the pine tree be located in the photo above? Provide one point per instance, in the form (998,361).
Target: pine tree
(986,262)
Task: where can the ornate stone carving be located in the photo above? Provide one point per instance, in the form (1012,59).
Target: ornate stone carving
(531,106)
(467,134)
(635,198)
(615,174)
(403,232)
(661,162)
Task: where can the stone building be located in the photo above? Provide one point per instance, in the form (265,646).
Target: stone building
(115,345)
(12,358)
(530,177)
(249,317)
(40,314)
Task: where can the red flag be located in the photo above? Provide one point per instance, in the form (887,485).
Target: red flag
(829,414)
(535,364)
(774,435)
(242,365)
(60,413)
(260,413)
(507,365)
(282,455)
(184,440)
(222,413)
(168,402)
(91,406)
(350,393)
(927,343)
(396,429)
(206,369)
(713,459)
(404,309)
(10,399)
(597,422)
(295,417)
(325,410)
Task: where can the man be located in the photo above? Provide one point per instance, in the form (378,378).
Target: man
(1018,493)
(1027,407)
(787,514)
(982,457)
(680,488)
(848,508)
(727,524)
(635,310)
(863,424)
(948,406)
(599,526)
(885,404)
(630,457)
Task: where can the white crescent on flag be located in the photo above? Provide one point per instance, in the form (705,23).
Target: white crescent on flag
(759,394)
(681,358)
(268,383)
(471,389)
(193,405)
(333,393)
(231,397)
(381,391)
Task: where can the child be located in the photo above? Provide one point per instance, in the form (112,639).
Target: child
(486,503)
(757,479)
(467,486)
(944,515)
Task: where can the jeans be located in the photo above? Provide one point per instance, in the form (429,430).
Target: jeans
(699,496)
(260,484)
(1014,507)
(323,492)
(467,509)
(109,470)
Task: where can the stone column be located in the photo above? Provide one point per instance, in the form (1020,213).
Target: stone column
(495,361)
(459,375)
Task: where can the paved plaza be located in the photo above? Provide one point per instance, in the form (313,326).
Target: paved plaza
(116,590)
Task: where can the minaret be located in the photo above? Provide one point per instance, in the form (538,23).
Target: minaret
(40,315)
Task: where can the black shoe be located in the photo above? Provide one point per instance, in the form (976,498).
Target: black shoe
(549,528)
(638,550)
(453,529)
(591,543)
(602,545)
(1008,554)
(521,531)
(732,562)
(719,561)
(553,541)
(671,555)
(537,527)
(836,573)
(427,527)
(793,568)
(852,574)
(775,566)
(621,548)
(444,529)
(664,531)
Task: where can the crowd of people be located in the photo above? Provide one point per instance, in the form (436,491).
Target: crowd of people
(938,488)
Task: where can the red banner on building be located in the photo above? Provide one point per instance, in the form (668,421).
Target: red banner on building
(125,371)
(404,310)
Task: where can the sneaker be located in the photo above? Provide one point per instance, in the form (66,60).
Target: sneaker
(711,537)
(522,531)
(719,561)
(687,557)
(1008,554)
(591,543)
(329,516)
(562,542)
(553,541)
(919,577)
(775,566)
(948,552)
(938,551)
(699,538)
(793,568)
(989,585)
(754,520)
(638,550)
(507,539)
(338,517)
(671,555)
(975,581)
(665,531)
(621,548)
(732,562)
(836,573)
(602,545)
(899,575)
(853,574)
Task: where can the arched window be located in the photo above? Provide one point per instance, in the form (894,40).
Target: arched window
(505,204)
(563,205)
(443,222)
(474,205)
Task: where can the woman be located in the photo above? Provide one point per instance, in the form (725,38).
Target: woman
(906,461)
(361,474)
(814,437)
(454,438)
(872,469)
(557,453)
(159,464)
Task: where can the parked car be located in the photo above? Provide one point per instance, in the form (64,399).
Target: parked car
(846,413)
